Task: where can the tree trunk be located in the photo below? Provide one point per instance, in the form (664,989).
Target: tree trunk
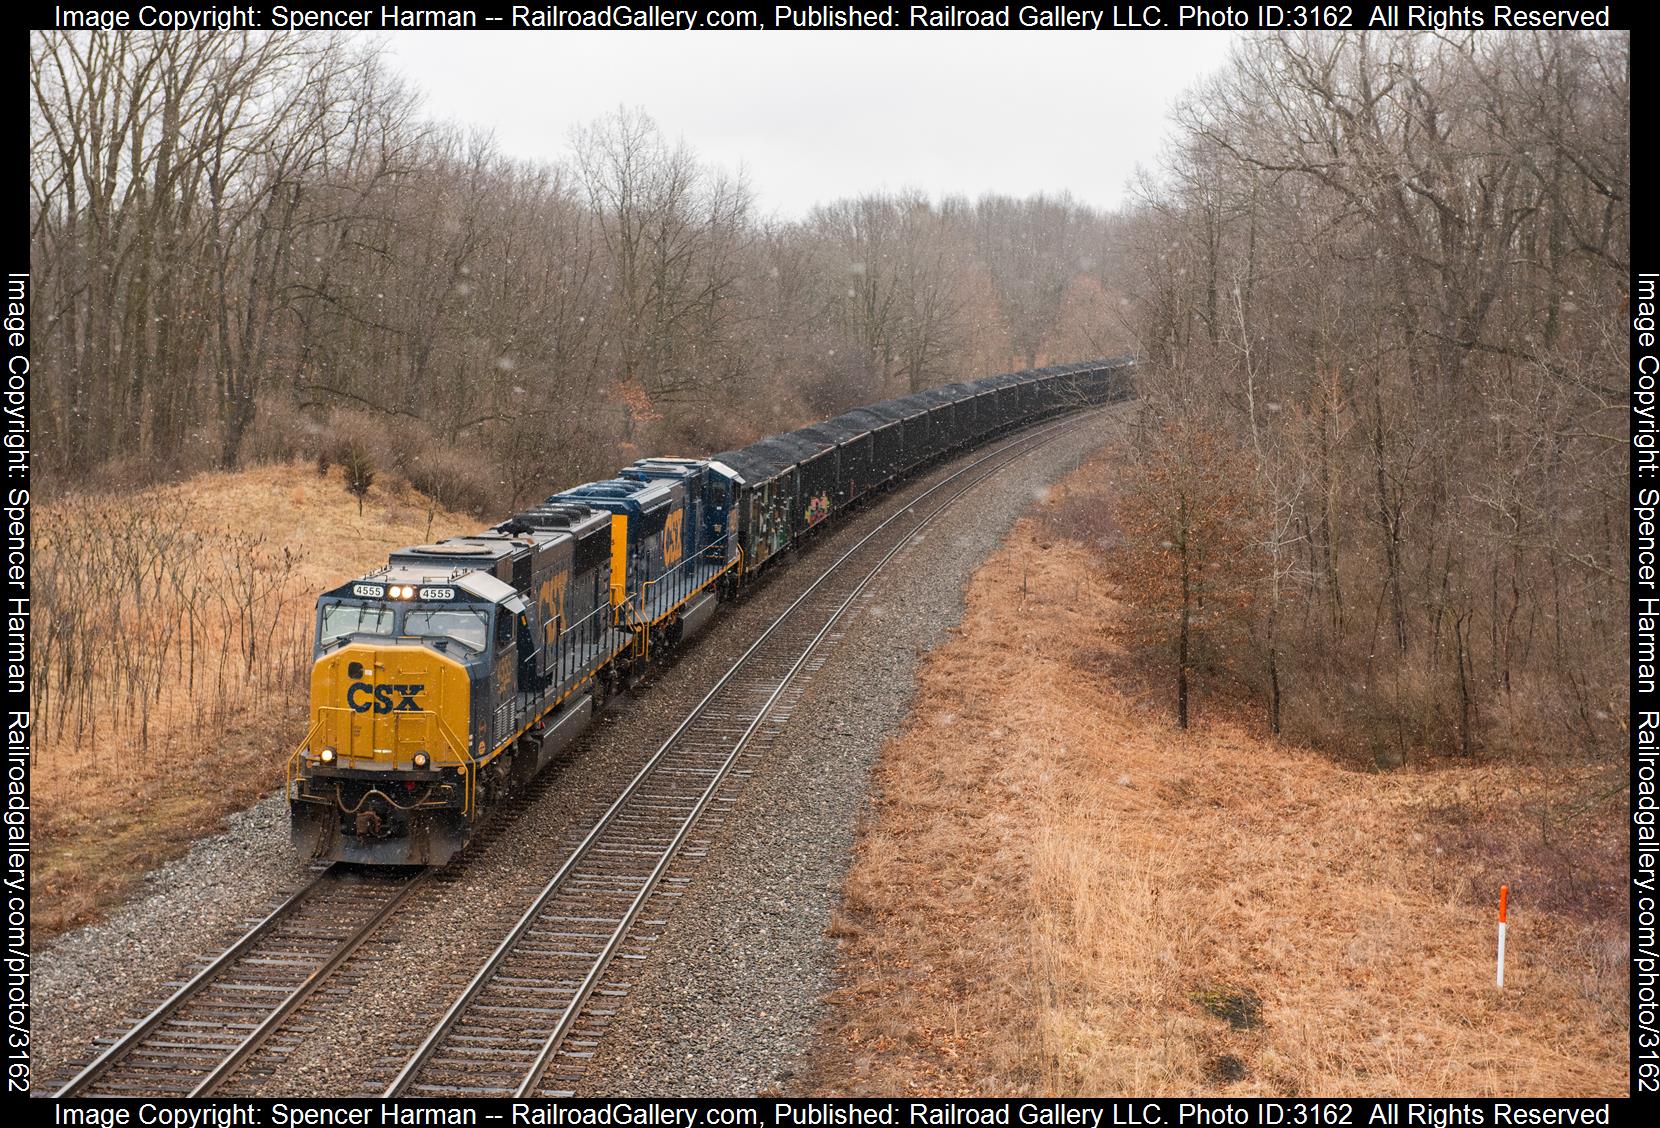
(1182,634)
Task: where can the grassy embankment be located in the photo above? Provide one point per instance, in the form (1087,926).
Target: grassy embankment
(143,748)
(1057,891)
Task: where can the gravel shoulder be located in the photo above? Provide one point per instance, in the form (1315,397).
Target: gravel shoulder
(730,1000)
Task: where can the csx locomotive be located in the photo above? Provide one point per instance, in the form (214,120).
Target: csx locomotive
(456,672)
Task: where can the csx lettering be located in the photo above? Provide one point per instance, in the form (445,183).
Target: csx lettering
(362,697)
(672,549)
(553,605)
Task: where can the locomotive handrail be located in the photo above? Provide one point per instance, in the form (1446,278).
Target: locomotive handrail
(294,757)
(679,595)
(573,645)
(626,615)
(469,762)
(456,746)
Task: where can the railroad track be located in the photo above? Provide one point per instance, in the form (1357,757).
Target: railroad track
(247,999)
(527,1022)
(214,1022)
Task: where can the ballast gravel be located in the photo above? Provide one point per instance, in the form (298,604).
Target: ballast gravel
(730,1000)
(730,996)
(102,978)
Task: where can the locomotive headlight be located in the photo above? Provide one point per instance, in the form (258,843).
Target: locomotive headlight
(421,760)
(327,756)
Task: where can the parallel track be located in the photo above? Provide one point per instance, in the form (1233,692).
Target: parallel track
(528,1021)
(527,1013)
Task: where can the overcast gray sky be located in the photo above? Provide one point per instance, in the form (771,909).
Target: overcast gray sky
(813,116)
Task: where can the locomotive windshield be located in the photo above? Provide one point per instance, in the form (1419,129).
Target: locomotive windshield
(470,628)
(340,620)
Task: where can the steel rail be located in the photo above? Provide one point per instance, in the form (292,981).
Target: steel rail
(101,1064)
(550,1048)
(429,1046)
(112,1058)
(257,1037)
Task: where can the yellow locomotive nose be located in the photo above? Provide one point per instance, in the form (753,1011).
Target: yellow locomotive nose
(389,708)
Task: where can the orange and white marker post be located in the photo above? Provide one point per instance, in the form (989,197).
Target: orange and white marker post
(1504,902)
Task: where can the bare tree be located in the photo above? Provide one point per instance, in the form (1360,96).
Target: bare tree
(1395,259)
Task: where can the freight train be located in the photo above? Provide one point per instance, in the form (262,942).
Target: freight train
(455,673)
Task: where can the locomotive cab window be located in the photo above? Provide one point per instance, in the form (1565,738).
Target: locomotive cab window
(468,627)
(504,627)
(342,619)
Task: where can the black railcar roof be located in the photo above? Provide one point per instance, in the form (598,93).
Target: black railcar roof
(757,462)
(895,410)
(790,448)
(829,432)
(861,420)
(915,402)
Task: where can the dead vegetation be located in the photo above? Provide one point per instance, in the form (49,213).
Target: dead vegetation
(240,243)
(173,640)
(1358,301)
(1059,891)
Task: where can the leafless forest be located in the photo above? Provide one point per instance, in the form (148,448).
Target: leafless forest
(253,248)
(1378,284)
(244,244)
(1382,294)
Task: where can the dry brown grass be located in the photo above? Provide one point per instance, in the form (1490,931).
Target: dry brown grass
(1057,891)
(112,803)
